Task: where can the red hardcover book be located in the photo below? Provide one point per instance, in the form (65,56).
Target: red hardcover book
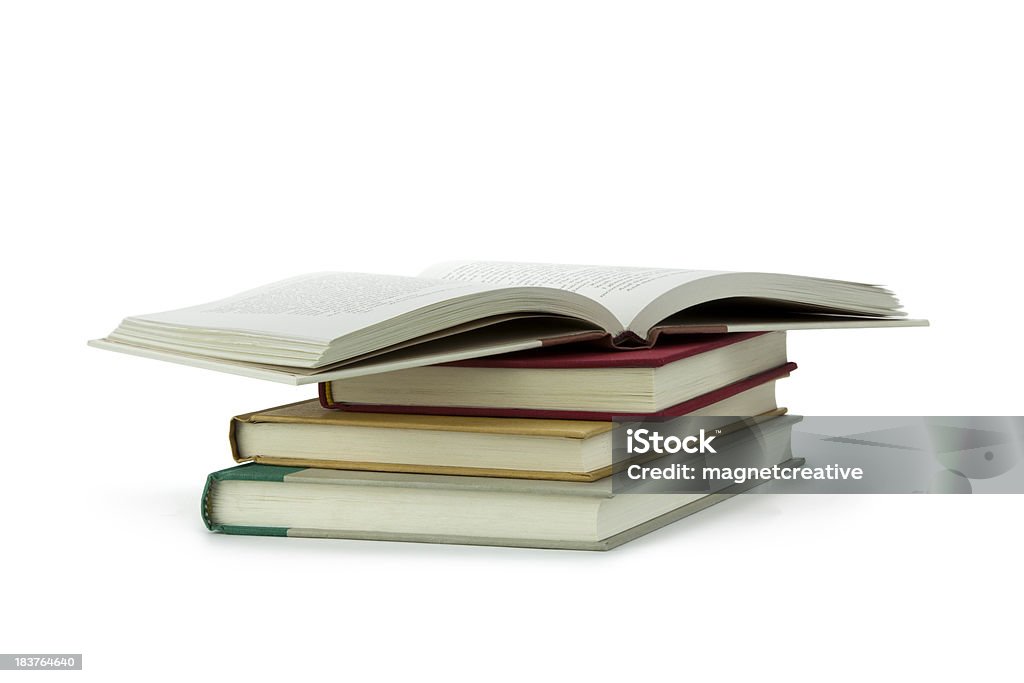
(739,363)
(684,408)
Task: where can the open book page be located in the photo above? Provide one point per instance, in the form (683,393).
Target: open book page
(623,291)
(318,307)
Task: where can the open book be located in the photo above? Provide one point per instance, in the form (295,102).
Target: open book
(326,326)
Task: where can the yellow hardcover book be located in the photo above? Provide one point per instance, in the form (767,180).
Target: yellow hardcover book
(307,435)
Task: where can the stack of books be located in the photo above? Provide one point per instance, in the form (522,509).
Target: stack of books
(479,403)
(511,450)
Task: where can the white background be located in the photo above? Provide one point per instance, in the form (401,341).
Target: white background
(155,155)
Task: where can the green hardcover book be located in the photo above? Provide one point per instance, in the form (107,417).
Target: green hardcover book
(272,500)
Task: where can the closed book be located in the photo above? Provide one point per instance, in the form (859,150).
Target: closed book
(668,380)
(306,434)
(268,500)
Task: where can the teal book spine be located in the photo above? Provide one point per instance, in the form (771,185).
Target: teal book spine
(246,472)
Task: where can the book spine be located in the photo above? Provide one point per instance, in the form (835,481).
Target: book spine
(324,393)
(233,440)
(204,505)
(248,472)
